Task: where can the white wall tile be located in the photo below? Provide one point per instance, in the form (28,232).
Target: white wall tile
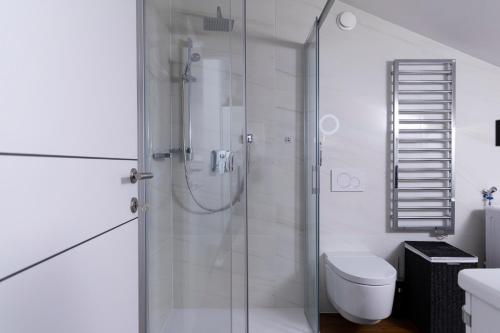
(354,86)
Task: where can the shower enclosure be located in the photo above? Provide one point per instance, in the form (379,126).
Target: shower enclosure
(312,161)
(194,271)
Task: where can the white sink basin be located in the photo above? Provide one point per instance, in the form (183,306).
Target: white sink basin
(482,283)
(482,299)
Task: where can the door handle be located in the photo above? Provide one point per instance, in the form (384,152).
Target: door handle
(135,175)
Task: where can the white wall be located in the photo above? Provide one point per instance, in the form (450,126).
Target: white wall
(48,81)
(354,87)
(91,288)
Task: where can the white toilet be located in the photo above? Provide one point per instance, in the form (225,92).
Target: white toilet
(360,285)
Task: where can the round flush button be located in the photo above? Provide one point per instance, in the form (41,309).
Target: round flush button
(346,21)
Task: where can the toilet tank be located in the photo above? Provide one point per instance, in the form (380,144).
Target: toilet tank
(492,228)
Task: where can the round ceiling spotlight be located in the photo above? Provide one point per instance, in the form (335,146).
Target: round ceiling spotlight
(346,21)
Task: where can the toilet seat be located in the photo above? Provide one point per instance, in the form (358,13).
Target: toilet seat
(361,268)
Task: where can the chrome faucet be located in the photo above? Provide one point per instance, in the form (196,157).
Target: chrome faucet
(488,194)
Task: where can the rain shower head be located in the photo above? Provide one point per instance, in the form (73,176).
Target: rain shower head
(218,23)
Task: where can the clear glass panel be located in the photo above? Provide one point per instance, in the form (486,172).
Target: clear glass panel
(158,133)
(312,179)
(196,217)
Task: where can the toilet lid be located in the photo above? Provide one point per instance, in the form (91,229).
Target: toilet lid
(363,268)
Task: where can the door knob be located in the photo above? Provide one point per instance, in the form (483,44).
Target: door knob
(135,175)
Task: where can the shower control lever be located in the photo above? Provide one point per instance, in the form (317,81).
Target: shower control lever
(222,161)
(135,175)
(161,156)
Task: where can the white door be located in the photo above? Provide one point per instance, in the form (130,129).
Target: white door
(68,140)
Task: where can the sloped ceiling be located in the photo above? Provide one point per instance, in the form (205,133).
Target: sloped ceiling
(472,27)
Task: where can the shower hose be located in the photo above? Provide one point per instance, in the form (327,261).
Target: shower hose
(185,160)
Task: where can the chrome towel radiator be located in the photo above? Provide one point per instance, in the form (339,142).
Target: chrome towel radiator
(423,154)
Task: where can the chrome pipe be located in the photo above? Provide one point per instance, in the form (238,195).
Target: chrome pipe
(424,160)
(425,72)
(433,179)
(424,82)
(419,130)
(409,209)
(424,121)
(424,170)
(425,199)
(424,150)
(420,62)
(424,92)
(424,140)
(424,217)
(424,101)
(424,111)
(423,189)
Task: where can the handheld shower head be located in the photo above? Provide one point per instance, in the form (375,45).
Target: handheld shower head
(195,57)
(191,57)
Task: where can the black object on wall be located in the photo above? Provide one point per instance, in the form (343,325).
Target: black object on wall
(497,133)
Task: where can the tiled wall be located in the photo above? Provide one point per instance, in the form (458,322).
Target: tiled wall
(354,87)
(276,31)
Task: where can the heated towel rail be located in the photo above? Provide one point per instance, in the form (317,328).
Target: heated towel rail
(423,154)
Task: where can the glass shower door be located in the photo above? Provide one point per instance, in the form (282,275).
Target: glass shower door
(312,164)
(195,145)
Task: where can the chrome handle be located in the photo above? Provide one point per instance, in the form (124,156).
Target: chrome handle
(250,138)
(135,175)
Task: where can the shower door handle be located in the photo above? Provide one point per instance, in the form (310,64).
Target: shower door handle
(314,180)
(250,139)
(135,175)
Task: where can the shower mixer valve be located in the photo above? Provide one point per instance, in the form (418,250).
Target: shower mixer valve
(222,161)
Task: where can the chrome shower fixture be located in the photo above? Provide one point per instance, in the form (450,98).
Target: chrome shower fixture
(218,23)
(195,57)
(191,57)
